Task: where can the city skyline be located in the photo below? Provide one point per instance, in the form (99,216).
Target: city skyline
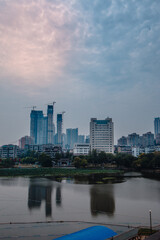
(94,60)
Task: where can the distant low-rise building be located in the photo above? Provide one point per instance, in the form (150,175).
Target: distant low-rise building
(48,149)
(9,151)
(81,149)
(125,149)
(136,151)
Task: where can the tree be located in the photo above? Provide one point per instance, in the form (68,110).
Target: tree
(94,157)
(45,160)
(79,163)
(124,160)
(102,157)
(7,163)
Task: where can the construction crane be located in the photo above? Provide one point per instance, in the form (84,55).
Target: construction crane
(33,107)
(50,103)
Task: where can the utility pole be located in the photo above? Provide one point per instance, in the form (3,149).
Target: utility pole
(150,217)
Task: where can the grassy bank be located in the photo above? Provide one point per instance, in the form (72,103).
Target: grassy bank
(57,172)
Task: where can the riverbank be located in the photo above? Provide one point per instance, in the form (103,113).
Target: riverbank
(58,172)
(151,173)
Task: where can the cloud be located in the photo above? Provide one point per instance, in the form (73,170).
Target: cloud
(34,38)
(92,57)
(43,41)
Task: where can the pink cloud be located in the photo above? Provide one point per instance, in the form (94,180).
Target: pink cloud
(34,40)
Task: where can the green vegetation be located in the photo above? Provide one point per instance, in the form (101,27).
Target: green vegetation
(94,160)
(45,160)
(6,163)
(101,159)
(148,161)
(80,162)
(57,172)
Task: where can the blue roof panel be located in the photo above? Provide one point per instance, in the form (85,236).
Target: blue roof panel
(91,233)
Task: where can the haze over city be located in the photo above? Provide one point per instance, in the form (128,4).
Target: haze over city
(94,58)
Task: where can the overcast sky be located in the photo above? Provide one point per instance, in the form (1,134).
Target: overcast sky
(95,58)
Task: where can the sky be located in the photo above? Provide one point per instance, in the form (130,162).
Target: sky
(95,58)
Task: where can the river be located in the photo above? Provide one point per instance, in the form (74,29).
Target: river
(32,200)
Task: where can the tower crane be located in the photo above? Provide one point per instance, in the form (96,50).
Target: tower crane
(33,107)
(51,103)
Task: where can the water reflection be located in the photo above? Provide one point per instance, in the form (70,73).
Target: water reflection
(39,192)
(58,196)
(102,200)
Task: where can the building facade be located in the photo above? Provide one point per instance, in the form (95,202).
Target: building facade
(102,135)
(122,141)
(9,151)
(125,149)
(25,141)
(133,140)
(81,139)
(72,137)
(158,139)
(48,149)
(50,124)
(147,139)
(81,149)
(59,128)
(36,126)
(156,126)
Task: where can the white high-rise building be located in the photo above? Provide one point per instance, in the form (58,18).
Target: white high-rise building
(102,135)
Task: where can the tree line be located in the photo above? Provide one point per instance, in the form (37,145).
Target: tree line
(93,159)
(119,160)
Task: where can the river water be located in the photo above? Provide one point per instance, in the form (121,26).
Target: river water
(33,200)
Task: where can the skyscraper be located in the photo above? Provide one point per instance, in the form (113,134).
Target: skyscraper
(72,137)
(156,126)
(101,135)
(50,124)
(59,128)
(36,126)
(81,139)
(45,130)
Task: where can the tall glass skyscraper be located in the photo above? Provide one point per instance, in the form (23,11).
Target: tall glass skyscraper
(59,128)
(156,126)
(45,130)
(50,124)
(36,126)
(72,137)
